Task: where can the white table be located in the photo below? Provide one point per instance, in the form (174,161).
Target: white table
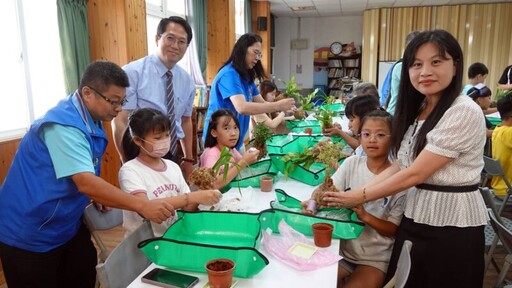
(276,273)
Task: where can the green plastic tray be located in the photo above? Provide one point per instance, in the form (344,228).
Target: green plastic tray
(350,228)
(282,144)
(312,176)
(250,176)
(494,120)
(338,107)
(298,126)
(197,237)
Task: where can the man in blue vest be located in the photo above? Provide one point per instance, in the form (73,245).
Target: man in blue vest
(54,175)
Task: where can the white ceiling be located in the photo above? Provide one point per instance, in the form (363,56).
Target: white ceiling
(354,7)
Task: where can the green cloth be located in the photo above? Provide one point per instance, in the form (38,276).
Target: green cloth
(74,40)
(197,20)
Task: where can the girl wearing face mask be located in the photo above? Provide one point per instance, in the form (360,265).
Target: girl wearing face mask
(147,175)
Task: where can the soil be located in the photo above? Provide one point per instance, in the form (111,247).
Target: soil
(299,114)
(219,266)
(203,178)
(308,131)
(262,147)
(327,185)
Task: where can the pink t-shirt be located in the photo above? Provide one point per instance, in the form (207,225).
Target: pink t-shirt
(211,155)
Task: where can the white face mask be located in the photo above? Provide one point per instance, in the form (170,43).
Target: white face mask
(160,147)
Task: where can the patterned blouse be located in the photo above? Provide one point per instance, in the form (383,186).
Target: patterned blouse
(459,134)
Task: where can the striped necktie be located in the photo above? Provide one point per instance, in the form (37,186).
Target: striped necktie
(170,113)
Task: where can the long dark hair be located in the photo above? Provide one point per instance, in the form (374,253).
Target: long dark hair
(140,123)
(237,58)
(211,141)
(410,100)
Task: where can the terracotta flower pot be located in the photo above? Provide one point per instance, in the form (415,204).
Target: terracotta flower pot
(266,183)
(220,272)
(308,131)
(322,233)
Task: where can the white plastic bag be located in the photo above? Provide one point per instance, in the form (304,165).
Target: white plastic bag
(278,246)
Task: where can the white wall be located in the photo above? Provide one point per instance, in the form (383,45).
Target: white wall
(320,32)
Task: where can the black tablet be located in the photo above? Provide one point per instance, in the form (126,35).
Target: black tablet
(169,279)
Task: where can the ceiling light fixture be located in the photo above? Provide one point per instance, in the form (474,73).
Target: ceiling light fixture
(303,8)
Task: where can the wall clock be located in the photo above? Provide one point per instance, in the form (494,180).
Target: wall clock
(336,48)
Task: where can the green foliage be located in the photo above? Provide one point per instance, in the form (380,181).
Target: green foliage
(325,116)
(261,133)
(502,93)
(224,162)
(292,160)
(291,89)
(307,102)
(325,152)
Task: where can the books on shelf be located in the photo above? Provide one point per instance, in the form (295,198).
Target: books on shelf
(335,63)
(202,96)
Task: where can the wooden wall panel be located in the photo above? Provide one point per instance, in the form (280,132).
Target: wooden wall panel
(7,151)
(483,31)
(221,35)
(262,9)
(117,32)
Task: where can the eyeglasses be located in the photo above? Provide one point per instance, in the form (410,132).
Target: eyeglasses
(113,103)
(171,40)
(257,53)
(379,135)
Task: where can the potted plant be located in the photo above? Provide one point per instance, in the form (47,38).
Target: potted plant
(291,90)
(502,93)
(325,115)
(306,104)
(220,272)
(261,133)
(204,178)
(325,152)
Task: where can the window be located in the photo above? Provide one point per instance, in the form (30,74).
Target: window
(158,9)
(32,76)
(239,18)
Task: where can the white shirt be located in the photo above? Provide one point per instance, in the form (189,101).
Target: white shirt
(136,177)
(459,134)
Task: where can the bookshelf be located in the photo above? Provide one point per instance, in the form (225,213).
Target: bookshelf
(199,115)
(342,72)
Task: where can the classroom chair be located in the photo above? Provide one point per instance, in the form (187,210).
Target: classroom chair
(505,235)
(403,267)
(126,261)
(493,169)
(98,221)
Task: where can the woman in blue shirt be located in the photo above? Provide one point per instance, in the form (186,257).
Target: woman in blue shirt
(234,88)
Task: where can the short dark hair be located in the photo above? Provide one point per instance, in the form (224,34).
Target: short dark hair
(505,106)
(361,105)
(140,123)
(410,100)
(477,68)
(162,26)
(237,58)
(379,114)
(102,74)
(211,141)
(479,91)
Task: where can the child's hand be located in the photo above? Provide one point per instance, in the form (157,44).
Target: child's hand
(333,131)
(360,212)
(205,197)
(251,156)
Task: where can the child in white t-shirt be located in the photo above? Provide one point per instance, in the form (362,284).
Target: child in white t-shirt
(149,175)
(365,259)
